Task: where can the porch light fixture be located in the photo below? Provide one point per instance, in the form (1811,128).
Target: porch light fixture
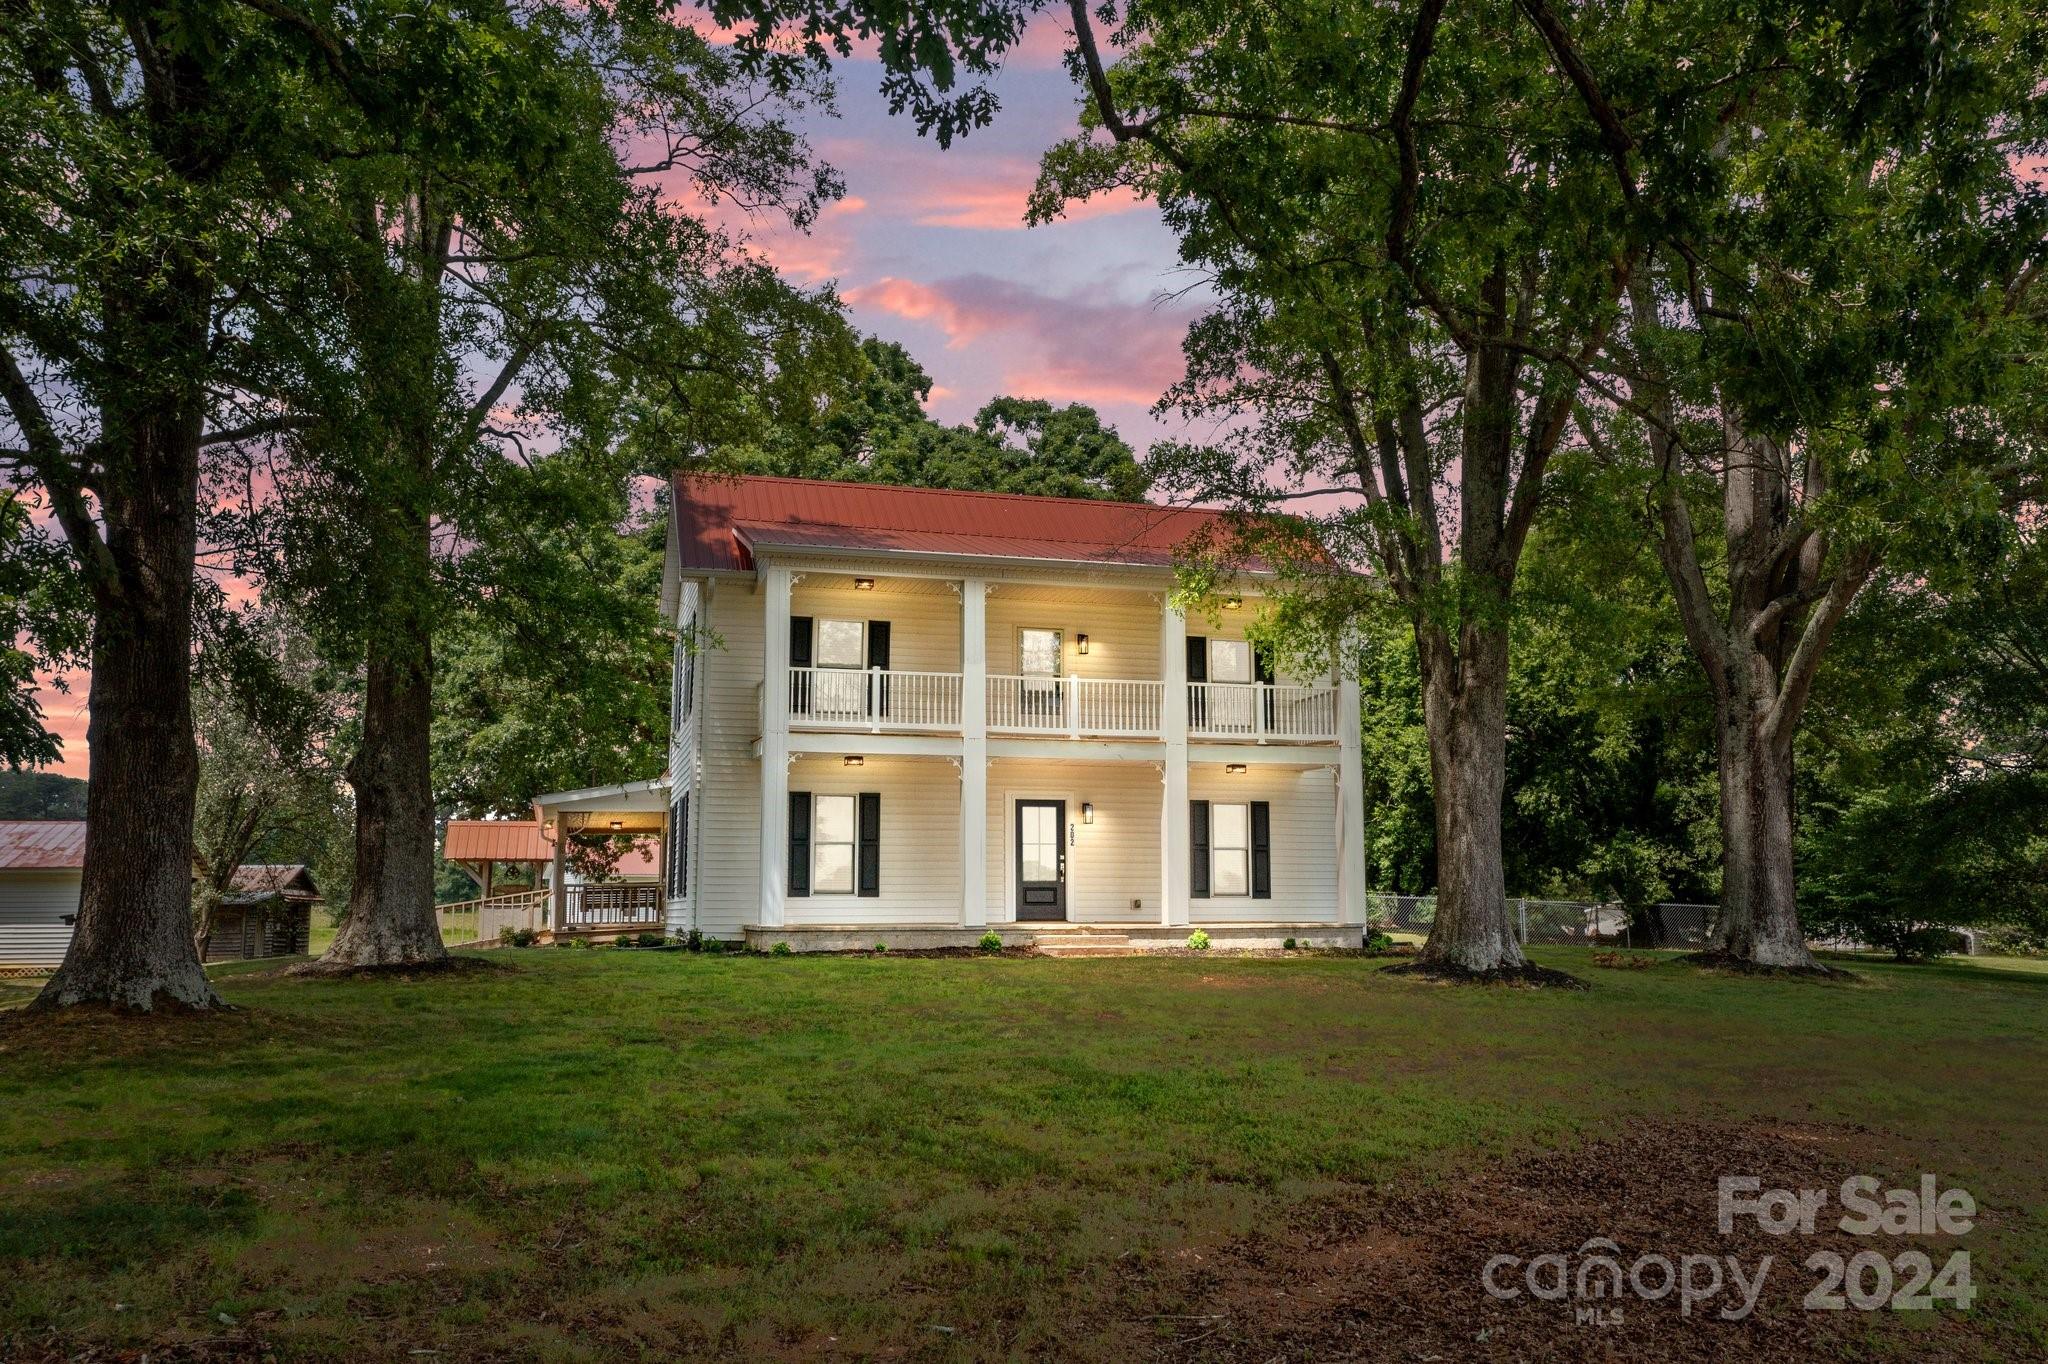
(1087,812)
(854,760)
(1081,645)
(863,584)
(1234,769)
(618,824)
(1232,603)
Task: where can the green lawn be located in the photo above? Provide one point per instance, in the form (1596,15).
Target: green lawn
(603,1154)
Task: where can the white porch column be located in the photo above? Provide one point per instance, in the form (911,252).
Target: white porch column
(1350,801)
(973,753)
(1173,805)
(774,745)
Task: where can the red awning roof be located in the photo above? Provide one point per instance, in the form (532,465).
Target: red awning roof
(522,840)
(42,844)
(720,520)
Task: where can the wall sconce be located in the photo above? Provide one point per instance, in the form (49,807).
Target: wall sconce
(1081,645)
(1234,769)
(618,824)
(854,760)
(1232,603)
(1087,812)
(863,584)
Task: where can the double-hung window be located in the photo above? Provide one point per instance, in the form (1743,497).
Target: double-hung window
(842,653)
(832,845)
(1230,849)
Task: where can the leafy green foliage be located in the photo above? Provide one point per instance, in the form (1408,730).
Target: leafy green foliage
(41,795)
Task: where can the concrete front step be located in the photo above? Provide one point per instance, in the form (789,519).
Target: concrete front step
(1060,949)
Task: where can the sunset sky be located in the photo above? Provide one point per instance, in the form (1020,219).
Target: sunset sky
(929,248)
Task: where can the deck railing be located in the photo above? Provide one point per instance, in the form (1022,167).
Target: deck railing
(1261,712)
(613,906)
(873,699)
(1075,706)
(480,922)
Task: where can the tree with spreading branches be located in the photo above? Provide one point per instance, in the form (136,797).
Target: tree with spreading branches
(1414,257)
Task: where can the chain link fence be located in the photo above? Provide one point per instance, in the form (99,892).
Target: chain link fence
(1583,922)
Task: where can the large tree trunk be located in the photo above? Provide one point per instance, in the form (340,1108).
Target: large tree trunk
(1759,921)
(132,948)
(1465,715)
(391,905)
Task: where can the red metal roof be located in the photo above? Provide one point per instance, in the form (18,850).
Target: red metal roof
(495,840)
(42,844)
(521,840)
(719,519)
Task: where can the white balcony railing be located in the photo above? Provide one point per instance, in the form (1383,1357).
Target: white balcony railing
(1074,706)
(880,701)
(1262,712)
(874,699)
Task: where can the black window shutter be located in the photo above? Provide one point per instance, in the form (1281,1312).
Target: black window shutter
(799,843)
(799,657)
(683,846)
(668,848)
(870,852)
(689,649)
(878,657)
(1198,698)
(1262,850)
(1198,849)
(1198,658)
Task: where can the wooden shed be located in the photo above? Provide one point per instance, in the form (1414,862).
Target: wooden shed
(267,912)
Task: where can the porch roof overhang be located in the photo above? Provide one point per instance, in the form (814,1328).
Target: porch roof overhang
(630,807)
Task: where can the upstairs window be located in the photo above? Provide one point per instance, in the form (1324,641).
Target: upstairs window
(1230,660)
(842,643)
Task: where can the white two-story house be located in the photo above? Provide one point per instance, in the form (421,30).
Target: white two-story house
(914,717)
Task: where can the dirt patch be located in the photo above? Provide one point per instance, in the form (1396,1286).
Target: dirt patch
(1528,975)
(1724,961)
(1397,1274)
(447,968)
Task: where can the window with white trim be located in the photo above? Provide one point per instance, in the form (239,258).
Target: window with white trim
(841,643)
(1040,652)
(1230,660)
(833,834)
(1230,849)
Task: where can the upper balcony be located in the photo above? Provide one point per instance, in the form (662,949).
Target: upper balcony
(893,701)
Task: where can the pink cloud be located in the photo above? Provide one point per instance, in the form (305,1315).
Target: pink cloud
(1082,347)
(915,302)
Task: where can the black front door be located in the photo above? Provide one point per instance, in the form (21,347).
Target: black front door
(1041,859)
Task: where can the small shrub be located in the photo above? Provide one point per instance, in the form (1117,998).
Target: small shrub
(781,949)
(694,941)
(582,944)
(1287,946)
(651,940)
(1378,942)
(518,937)
(991,941)
(1198,941)
(881,947)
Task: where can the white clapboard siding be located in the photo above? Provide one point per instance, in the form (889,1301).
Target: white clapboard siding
(1122,630)
(683,751)
(920,873)
(33,906)
(1304,834)
(1110,863)
(924,624)
(726,884)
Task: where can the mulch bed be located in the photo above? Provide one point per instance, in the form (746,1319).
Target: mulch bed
(1396,1275)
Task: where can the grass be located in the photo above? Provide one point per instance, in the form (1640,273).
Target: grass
(598,1154)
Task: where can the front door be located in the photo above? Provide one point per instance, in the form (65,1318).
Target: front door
(1041,859)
